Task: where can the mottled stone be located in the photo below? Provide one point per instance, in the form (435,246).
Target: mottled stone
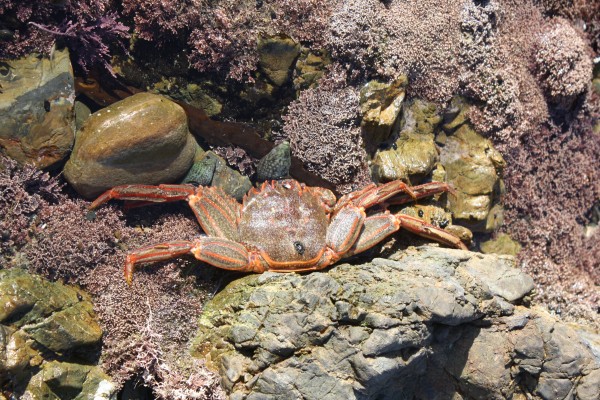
(380,105)
(37,97)
(276,164)
(414,154)
(42,322)
(276,54)
(501,244)
(142,139)
(473,167)
(390,326)
(62,380)
(231,181)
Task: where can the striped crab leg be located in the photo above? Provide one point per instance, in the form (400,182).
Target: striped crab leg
(145,194)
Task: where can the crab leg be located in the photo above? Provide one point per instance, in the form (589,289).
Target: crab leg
(424,190)
(221,253)
(145,194)
(422,228)
(216,212)
(379,226)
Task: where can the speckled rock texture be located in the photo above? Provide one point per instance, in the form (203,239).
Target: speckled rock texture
(49,340)
(141,139)
(413,154)
(428,323)
(474,167)
(37,96)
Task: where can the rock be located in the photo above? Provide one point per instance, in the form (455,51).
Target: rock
(428,323)
(501,244)
(42,322)
(231,181)
(55,316)
(380,105)
(276,164)
(473,167)
(142,139)
(202,171)
(62,380)
(439,217)
(276,54)
(37,108)
(414,154)
(310,67)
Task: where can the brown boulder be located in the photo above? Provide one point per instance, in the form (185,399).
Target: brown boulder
(142,139)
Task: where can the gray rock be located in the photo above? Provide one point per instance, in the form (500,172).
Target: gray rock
(428,323)
(37,108)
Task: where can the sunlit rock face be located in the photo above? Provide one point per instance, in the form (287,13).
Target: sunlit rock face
(37,98)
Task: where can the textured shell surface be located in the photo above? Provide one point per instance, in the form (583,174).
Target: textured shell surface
(284,220)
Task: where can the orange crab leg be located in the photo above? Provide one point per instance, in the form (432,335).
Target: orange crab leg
(422,228)
(424,190)
(216,212)
(379,226)
(143,194)
(221,253)
(372,194)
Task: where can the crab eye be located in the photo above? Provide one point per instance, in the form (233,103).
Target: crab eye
(299,247)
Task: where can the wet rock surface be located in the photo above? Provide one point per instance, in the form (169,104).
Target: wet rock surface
(413,154)
(427,323)
(474,167)
(37,96)
(141,139)
(49,339)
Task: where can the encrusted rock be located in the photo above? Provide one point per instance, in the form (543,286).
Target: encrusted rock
(41,322)
(276,54)
(393,326)
(37,97)
(413,155)
(141,139)
(61,380)
(473,167)
(310,66)
(380,105)
(231,181)
(501,244)
(276,164)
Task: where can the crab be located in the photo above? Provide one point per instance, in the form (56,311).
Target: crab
(283,226)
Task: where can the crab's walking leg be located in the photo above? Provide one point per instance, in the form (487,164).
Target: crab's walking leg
(221,253)
(379,226)
(145,194)
(373,194)
(422,228)
(424,190)
(216,212)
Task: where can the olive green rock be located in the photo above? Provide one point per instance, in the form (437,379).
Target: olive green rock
(37,97)
(474,168)
(143,139)
(58,317)
(276,54)
(42,322)
(310,67)
(380,105)
(63,380)
(414,154)
(501,244)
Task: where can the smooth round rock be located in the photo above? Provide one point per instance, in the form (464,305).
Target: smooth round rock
(143,139)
